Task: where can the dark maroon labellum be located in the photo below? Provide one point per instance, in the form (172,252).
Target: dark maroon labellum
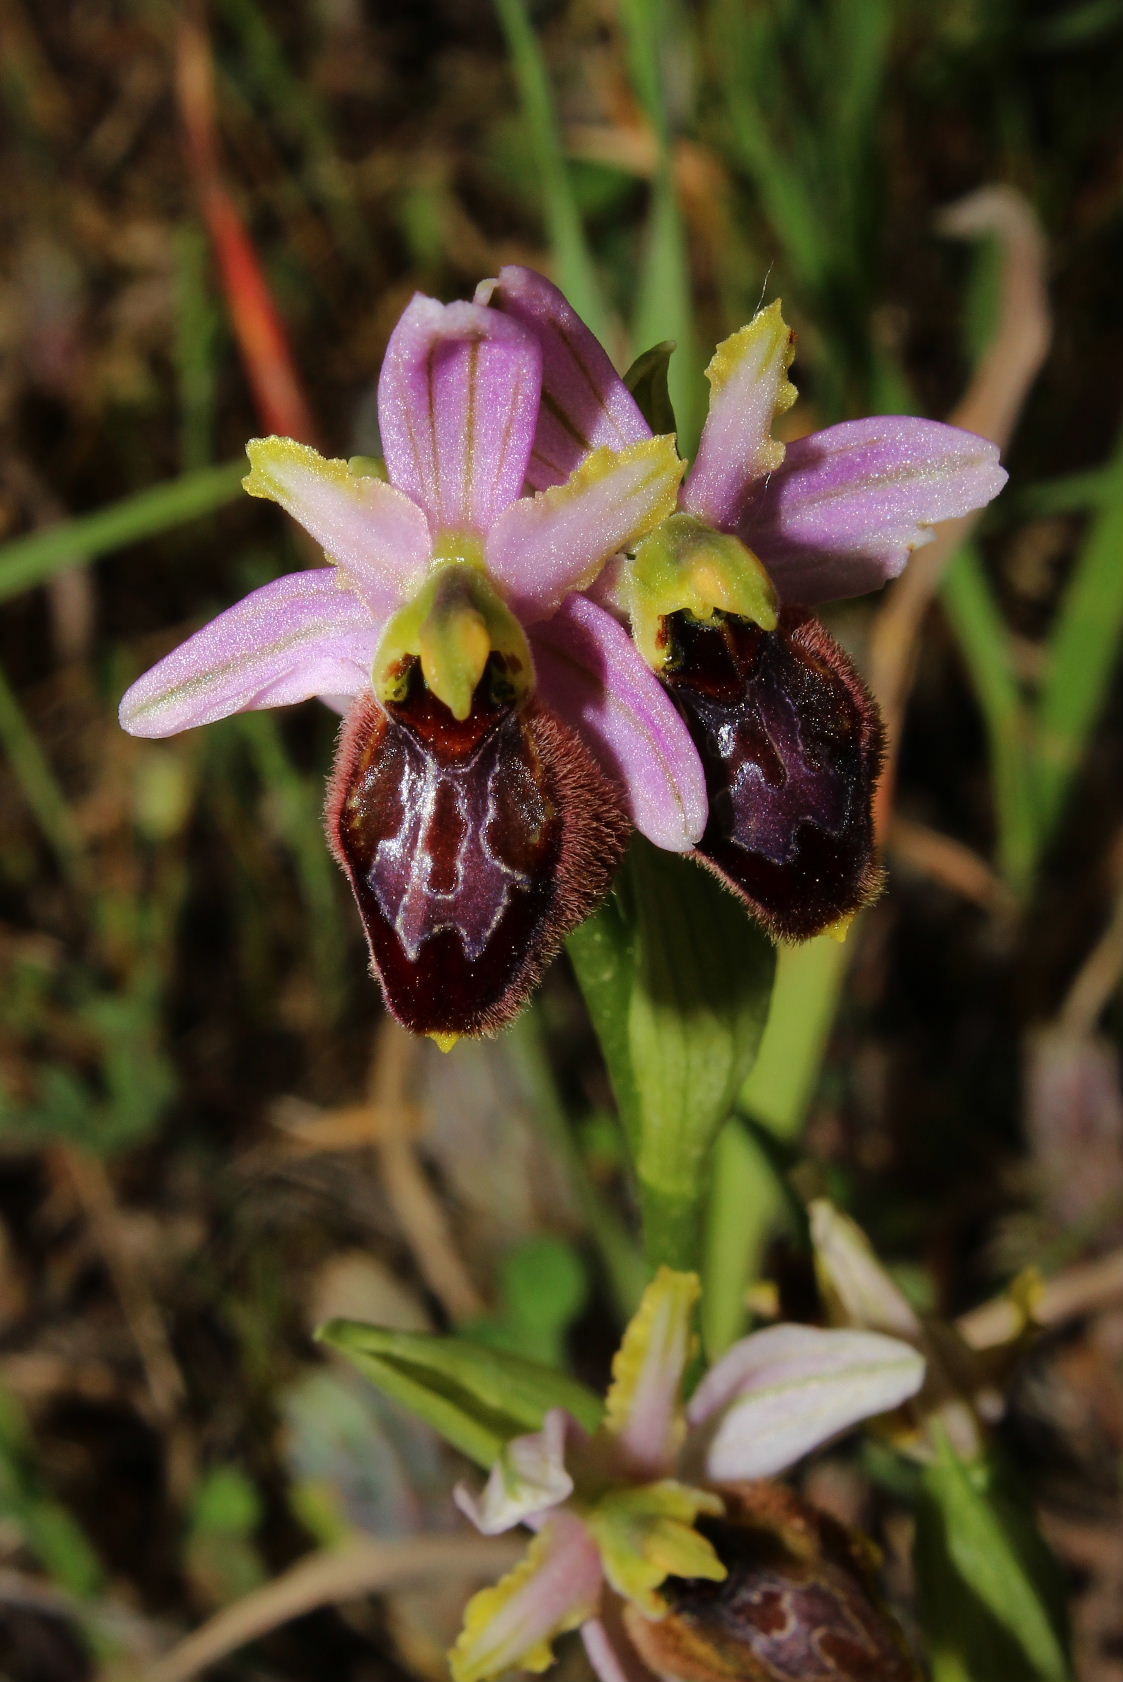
(791,741)
(799,1604)
(472,848)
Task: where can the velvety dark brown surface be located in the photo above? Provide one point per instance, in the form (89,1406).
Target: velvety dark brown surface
(798,1605)
(791,741)
(472,849)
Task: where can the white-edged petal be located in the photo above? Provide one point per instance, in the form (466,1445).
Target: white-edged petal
(555,1588)
(782,1392)
(528,1478)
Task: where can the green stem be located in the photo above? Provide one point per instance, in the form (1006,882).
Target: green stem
(672,1226)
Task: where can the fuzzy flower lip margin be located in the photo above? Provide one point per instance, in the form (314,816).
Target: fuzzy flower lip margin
(458,401)
(832,515)
(614,1515)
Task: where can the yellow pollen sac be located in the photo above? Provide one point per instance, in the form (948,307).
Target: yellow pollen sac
(687,566)
(453,625)
(445,1041)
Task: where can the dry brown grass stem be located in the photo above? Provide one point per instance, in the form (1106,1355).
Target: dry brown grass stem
(394,1120)
(356,1568)
(1084,1289)
(990,406)
(166,1388)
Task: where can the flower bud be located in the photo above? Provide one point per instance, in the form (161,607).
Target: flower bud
(791,741)
(799,1602)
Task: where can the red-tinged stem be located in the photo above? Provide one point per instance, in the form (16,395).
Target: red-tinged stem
(258,326)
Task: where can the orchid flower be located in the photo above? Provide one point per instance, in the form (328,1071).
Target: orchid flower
(501,729)
(718,596)
(623,1519)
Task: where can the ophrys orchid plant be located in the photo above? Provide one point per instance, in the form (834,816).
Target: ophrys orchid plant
(719,595)
(627,1517)
(501,729)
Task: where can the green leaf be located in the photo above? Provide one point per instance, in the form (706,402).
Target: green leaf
(1083,649)
(543,1287)
(602,952)
(992,1600)
(646,379)
(26,1509)
(699,1002)
(476,1397)
(987,648)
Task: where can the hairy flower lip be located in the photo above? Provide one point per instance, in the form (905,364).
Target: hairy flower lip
(792,743)
(472,848)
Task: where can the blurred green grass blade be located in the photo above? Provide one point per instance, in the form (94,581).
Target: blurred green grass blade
(1071,493)
(1082,652)
(857,42)
(664,306)
(300,112)
(196,343)
(576,274)
(984,642)
(750,71)
(31,560)
(41,788)
(745,1202)
(779,1090)
(990,1589)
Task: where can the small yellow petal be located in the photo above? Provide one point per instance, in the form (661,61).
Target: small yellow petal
(490,1643)
(648,1366)
(269,455)
(646,1533)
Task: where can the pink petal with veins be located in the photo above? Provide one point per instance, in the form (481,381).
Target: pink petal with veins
(457,407)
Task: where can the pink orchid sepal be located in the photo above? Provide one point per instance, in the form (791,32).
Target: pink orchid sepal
(618,1513)
(718,595)
(502,730)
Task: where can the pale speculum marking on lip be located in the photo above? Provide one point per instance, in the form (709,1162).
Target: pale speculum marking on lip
(443,867)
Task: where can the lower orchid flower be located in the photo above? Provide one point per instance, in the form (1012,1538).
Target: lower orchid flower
(501,729)
(718,596)
(653,1535)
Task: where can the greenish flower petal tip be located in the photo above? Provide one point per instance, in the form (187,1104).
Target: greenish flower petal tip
(543,631)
